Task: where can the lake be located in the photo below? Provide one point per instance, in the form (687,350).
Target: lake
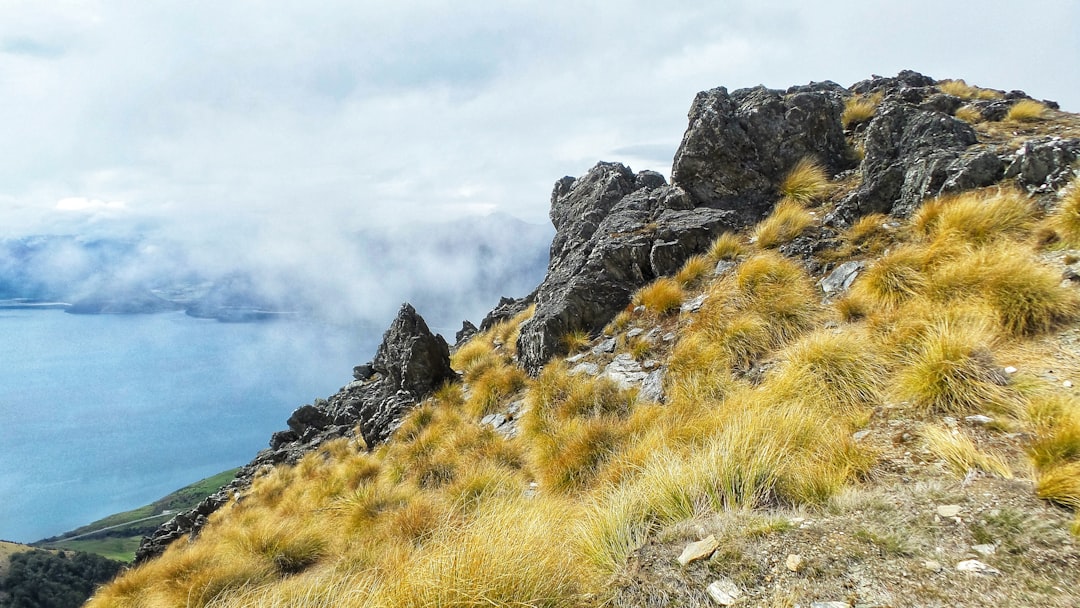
(105,413)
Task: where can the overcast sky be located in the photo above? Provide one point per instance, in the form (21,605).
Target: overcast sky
(279,119)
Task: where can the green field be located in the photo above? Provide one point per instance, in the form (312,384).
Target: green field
(117,536)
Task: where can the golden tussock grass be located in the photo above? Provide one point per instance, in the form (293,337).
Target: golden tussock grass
(661,297)
(841,372)
(961,89)
(727,246)
(575,341)
(787,221)
(867,229)
(859,109)
(894,278)
(950,369)
(807,182)
(1055,422)
(969,114)
(976,217)
(695,269)
(490,388)
(1061,485)
(960,453)
(1066,219)
(1027,298)
(1026,110)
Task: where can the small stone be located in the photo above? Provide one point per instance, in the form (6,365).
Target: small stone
(668,337)
(978,419)
(860,435)
(724,592)
(699,550)
(575,358)
(974,565)
(633,333)
(1067,384)
(949,510)
(591,369)
(1011,370)
(829,605)
(605,346)
(984,549)
(723,267)
(693,305)
(795,562)
(932,566)
(949,421)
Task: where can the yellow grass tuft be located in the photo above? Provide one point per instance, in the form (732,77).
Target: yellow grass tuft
(840,372)
(969,114)
(976,217)
(727,246)
(1061,485)
(961,89)
(950,370)
(693,271)
(894,278)
(960,454)
(663,296)
(806,182)
(859,109)
(575,341)
(1026,110)
(1055,424)
(787,221)
(1066,220)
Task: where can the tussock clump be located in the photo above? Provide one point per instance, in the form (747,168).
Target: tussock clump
(1026,110)
(859,109)
(661,297)
(976,217)
(727,246)
(1055,422)
(963,90)
(960,453)
(693,271)
(950,370)
(841,373)
(787,221)
(807,182)
(1061,485)
(969,114)
(1066,220)
(575,341)
(894,279)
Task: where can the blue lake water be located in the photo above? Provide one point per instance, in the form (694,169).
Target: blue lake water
(105,413)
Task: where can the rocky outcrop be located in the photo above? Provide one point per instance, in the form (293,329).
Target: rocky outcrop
(739,146)
(617,230)
(410,363)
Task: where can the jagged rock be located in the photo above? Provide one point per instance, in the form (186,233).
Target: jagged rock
(907,79)
(363,372)
(507,309)
(1044,164)
(410,363)
(467,331)
(605,346)
(615,232)
(795,562)
(739,146)
(652,387)
(694,305)
(976,567)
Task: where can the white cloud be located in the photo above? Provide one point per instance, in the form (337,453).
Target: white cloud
(81,203)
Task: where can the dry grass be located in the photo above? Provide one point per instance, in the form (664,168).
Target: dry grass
(859,109)
(727,246)
(1066,219)
(976,217)
(895,278)
(961,89)
(1026,110)
(1055,422)
(787,221)
(1061,485)
(807,182)
(841,371)
(575,341)
(661,297)
(950,369)
(960,454)
(694,271)
(969,114)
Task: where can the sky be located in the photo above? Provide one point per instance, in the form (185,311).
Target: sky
(268,121)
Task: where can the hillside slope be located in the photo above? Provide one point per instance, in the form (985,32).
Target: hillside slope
(832,363)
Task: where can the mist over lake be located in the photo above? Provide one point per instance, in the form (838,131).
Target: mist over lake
(104,413)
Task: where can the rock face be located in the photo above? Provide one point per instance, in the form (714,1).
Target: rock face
(617,230)
(410,363)
(740,145)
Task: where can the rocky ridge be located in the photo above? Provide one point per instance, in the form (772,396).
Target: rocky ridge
(617,230)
